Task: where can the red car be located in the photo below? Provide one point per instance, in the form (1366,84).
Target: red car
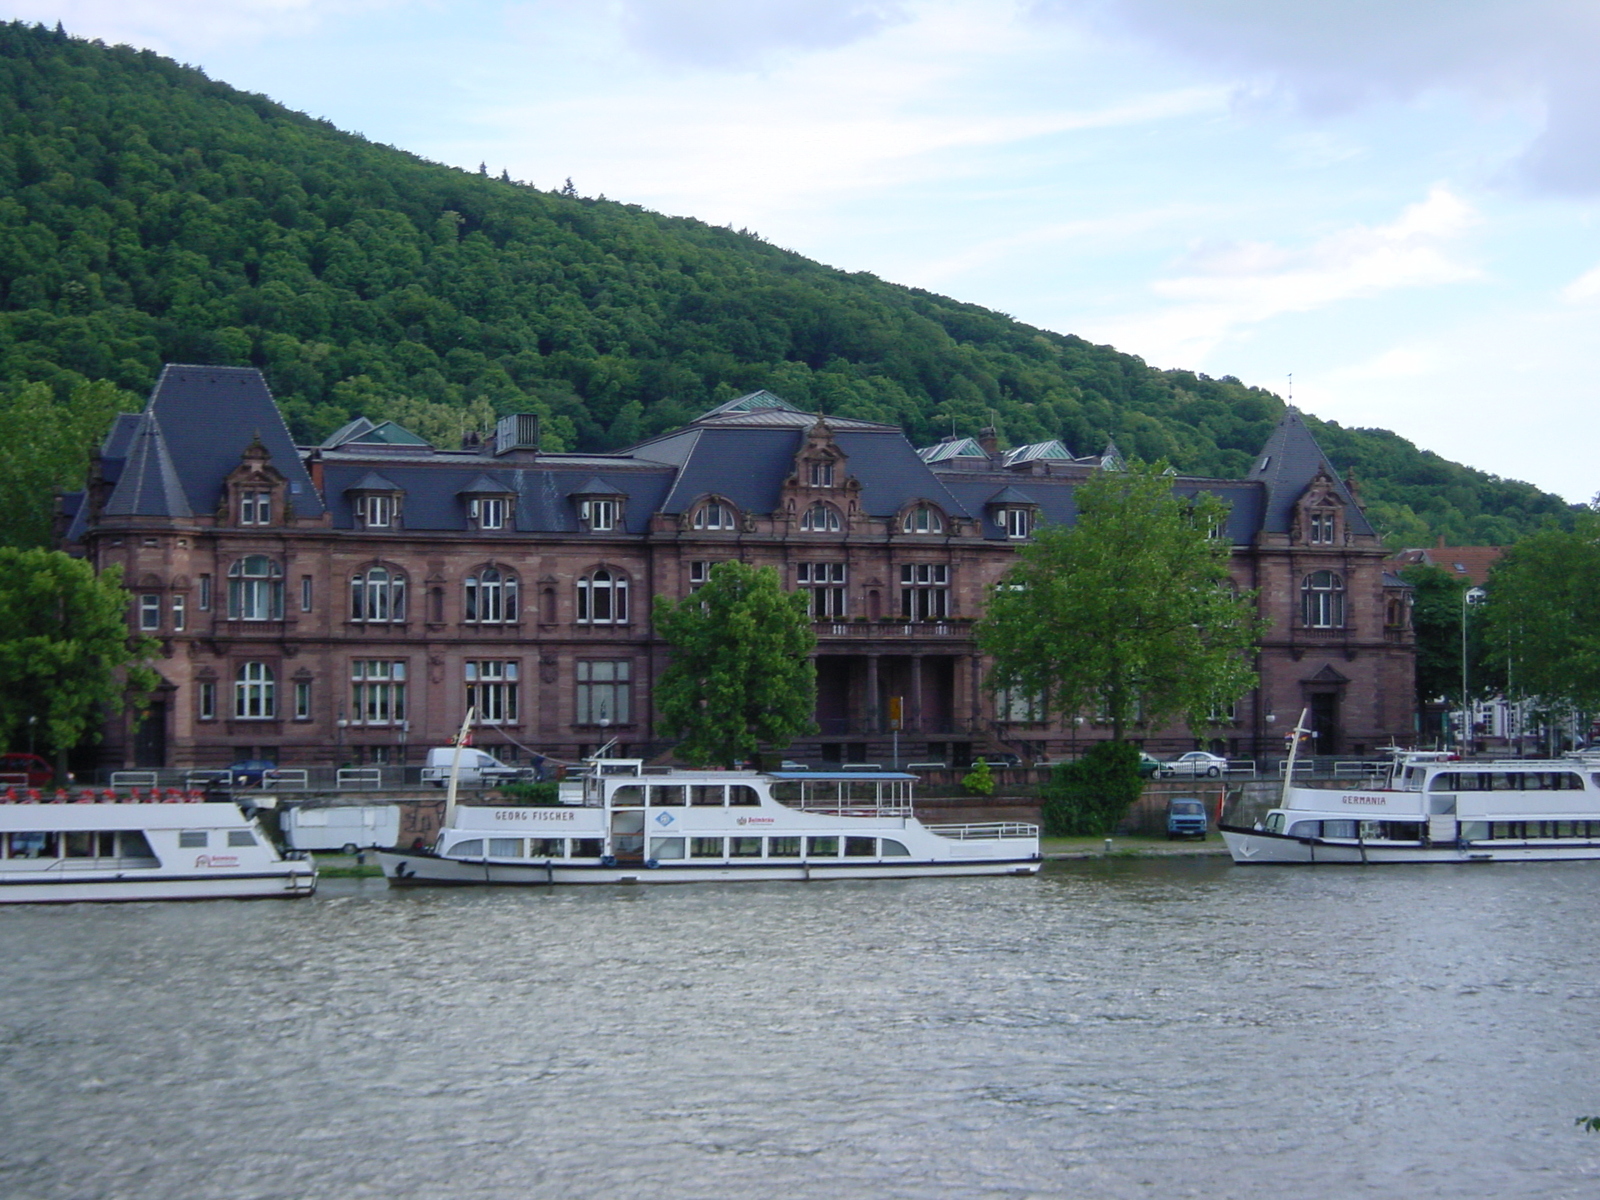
(14,766)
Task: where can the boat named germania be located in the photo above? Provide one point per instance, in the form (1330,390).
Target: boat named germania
(1431,807)
(166,849)
(623,823)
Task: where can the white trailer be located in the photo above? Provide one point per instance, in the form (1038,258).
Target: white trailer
(347,827)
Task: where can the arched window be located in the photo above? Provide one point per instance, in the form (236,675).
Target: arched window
(254,696)
(714,515)
(821,518)
(492,597)
(255,589)
(1322,600)
(377,594)
(924,518)
(603,598)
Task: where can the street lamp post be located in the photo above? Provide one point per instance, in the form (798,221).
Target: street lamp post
(1470,596)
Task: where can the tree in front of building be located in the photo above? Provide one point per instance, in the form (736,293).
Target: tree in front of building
(1128,616)
(1543,617)
(1446,624)
(740,674)
(66,658)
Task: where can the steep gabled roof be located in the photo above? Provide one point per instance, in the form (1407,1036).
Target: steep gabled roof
(149,485)
(751,402)
(1035,451)
(1287,465)
(208,415)
(373,482)
(952,448)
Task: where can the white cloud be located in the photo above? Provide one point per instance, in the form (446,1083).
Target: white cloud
(1584,288)
(1232,288)
(741,33)
(1330,56)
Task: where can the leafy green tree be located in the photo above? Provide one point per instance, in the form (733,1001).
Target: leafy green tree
(66,657)
(740,674)
(1088,797)
(44,446)
(980,780)
(1438,611)
(1130,613)
(1543,616)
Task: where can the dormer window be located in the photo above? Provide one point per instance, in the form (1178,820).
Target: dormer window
(255,507)
(599,515)
(1321,528)
(1017,522)
(924,518)
(822,473)
(488,512)
(821,518)
(714,515)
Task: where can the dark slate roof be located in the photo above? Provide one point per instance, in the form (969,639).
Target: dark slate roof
(595,486)
(746,466)
(1287,465)
(541,494)
(373,482)
(120,436)
(485,485)
(1011,495)
(1053,495)
(149,484)
(891,474)
(208,416)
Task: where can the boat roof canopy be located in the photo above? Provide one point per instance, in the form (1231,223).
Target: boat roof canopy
(847,776)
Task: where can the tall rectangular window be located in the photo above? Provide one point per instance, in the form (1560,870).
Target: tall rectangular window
(603,693)
(208,700)
(180,613)
(924,591)
(492,690)
(826,584)
(305,593)
(149,613)
(601,515)
(204,597)
(699,575)
(377,691)
(822,474)
(302,700)
(490,513)
(255,508)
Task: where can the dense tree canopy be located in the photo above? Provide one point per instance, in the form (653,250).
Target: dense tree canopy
(1129,614)
(740,674)
(1543,616)
(150,215)
(1443,620)
(65,655)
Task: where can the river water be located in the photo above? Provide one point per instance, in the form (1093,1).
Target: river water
(1112,1028)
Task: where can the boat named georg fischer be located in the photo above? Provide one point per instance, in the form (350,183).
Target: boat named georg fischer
(623,823)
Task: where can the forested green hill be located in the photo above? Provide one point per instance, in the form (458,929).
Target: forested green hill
(148,214)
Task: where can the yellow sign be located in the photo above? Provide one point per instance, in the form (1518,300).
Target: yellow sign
(894,712)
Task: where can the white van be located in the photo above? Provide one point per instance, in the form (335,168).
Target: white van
(347,827)
(478,768)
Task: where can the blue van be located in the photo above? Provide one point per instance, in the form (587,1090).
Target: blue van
(1186,817)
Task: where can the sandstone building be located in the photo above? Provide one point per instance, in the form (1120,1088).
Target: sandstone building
(346,602)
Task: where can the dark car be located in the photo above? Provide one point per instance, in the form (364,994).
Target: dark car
(1149,767)
(250,772)
(1186,817)
(16,765)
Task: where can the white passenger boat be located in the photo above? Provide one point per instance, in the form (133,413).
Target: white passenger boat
(1429,807)
(622,823)
(141,850)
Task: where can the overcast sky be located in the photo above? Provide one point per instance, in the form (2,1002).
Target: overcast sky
(1394,201)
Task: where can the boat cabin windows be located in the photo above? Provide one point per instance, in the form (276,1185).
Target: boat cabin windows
(1506,781)
(783,847)
(705,847)
(471,846)
(893,849)
(86,844)
(822,847)
(666,847)
(1352,830)
(710,795)
(744,847)
(193,839)
(241,837)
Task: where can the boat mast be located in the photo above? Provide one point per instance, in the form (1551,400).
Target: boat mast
(1300,732)
(455,768)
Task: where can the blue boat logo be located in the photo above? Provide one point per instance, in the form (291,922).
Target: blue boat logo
(664,819)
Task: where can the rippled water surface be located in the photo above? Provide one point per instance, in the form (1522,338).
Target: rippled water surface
(1115,1029)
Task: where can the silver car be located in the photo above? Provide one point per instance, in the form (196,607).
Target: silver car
(1195,763)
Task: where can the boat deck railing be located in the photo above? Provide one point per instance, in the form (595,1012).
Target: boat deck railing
(833,806)
(985,831)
